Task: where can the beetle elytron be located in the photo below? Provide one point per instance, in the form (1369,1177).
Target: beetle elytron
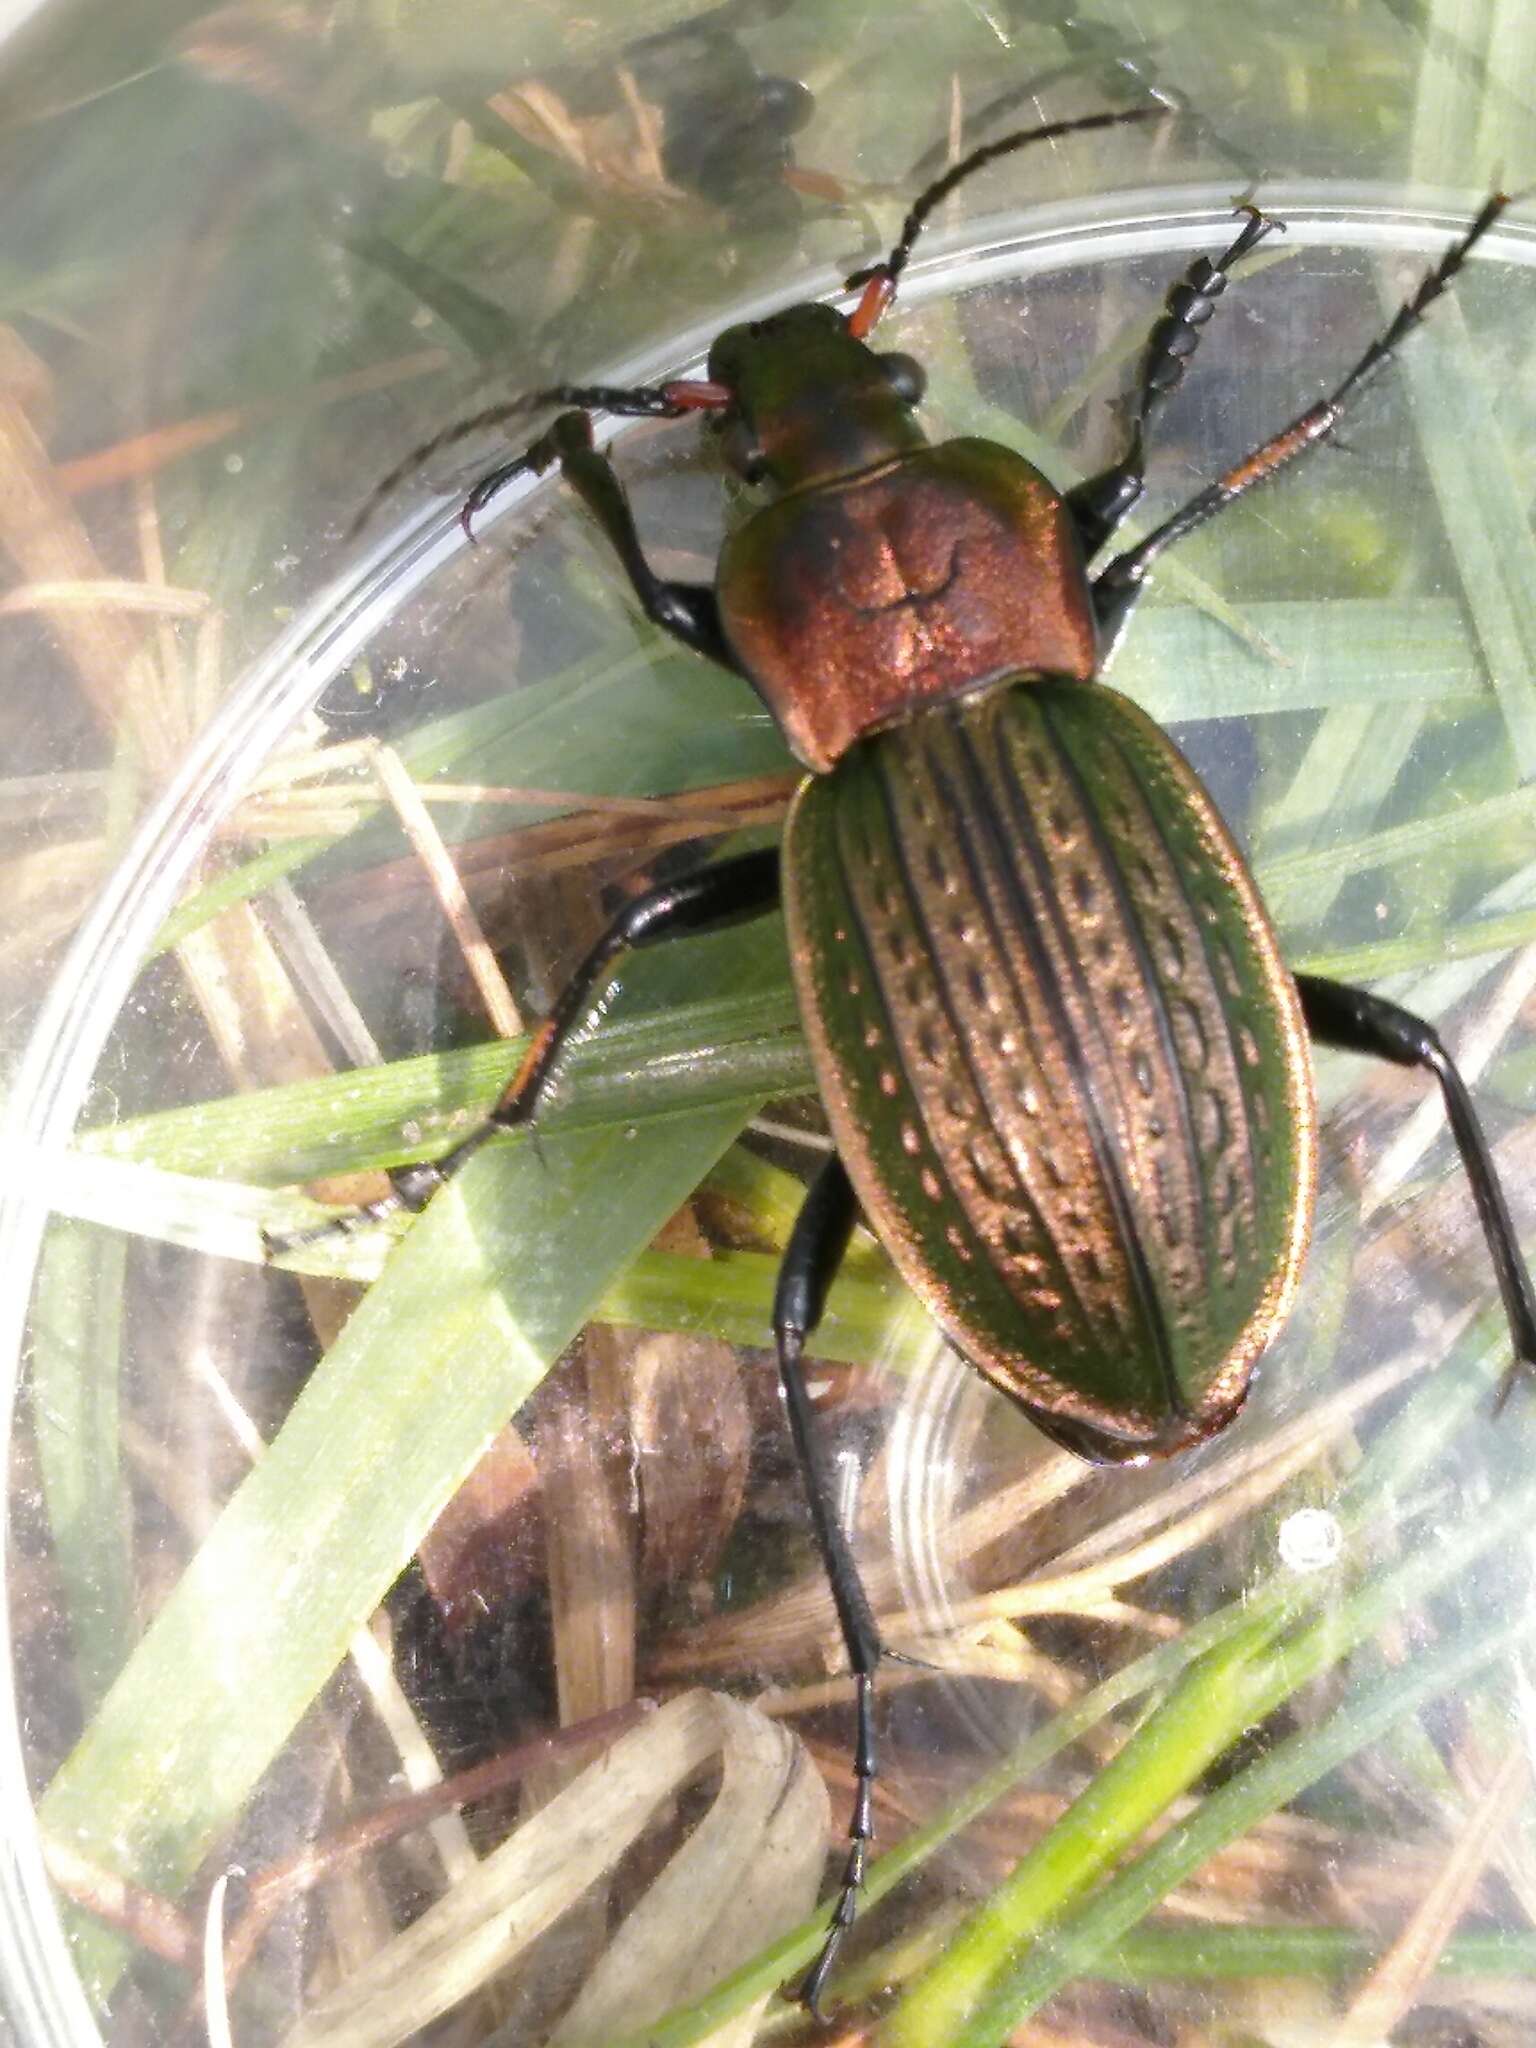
(1066,1070)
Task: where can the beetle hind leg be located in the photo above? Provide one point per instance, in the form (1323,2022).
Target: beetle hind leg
(1354,1020)
(815,1251)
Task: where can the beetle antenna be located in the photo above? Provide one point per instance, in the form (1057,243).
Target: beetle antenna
(887,273)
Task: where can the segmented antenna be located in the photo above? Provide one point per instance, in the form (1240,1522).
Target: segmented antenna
(1005,145)
(672,401)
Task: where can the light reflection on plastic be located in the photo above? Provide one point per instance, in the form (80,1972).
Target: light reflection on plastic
(1310,1539)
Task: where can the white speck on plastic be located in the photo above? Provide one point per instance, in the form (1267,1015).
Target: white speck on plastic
(1310,1539)
(233,464)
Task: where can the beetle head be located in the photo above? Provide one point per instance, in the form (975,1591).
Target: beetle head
(809,401)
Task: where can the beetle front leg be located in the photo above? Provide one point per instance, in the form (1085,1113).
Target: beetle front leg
(1121,581)
(726,894)
(815,1251)
(688,611)
(1354,1020)
(1102,502)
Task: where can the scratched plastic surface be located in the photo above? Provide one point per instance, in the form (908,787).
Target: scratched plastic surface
(1303,1646)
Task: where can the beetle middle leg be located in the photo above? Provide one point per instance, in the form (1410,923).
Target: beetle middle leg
(814,1253)
(1354,1020)
(726,894)
(1100,504)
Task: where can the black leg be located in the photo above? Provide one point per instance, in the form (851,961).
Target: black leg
(815,1251)
(1120,583)
(1356,1021)
(1102,502)
(688,611)
(636,402)
(708,901)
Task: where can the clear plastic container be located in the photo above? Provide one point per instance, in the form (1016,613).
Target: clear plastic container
(278,1568)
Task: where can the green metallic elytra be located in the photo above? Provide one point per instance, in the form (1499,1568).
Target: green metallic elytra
(1062,1059)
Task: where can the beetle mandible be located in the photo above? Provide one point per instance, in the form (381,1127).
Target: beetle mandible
(1066,1069)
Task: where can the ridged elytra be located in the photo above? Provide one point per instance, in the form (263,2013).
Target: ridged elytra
(1066,1069)
(1061,1056)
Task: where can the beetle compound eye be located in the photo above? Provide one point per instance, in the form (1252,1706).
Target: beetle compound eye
(906,377)
(742,450)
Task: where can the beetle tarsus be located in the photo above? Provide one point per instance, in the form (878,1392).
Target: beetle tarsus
(911,1663)
(1188,308)
(861,1833)
(489,486)
(276,1244)
(811,1260)
(411,1188)
(708,901)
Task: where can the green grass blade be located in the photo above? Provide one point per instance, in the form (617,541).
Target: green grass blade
(1261,1615)
(629,721)
(1485,513)
(1229,1691)
(1208,1954)
(736,1049)
(1180,664)
(76,1346)
(484,1293)
(1070,1948)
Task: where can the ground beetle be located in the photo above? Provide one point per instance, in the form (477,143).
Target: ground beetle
(1066,1070)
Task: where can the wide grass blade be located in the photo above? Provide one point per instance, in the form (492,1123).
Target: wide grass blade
(483,1295)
